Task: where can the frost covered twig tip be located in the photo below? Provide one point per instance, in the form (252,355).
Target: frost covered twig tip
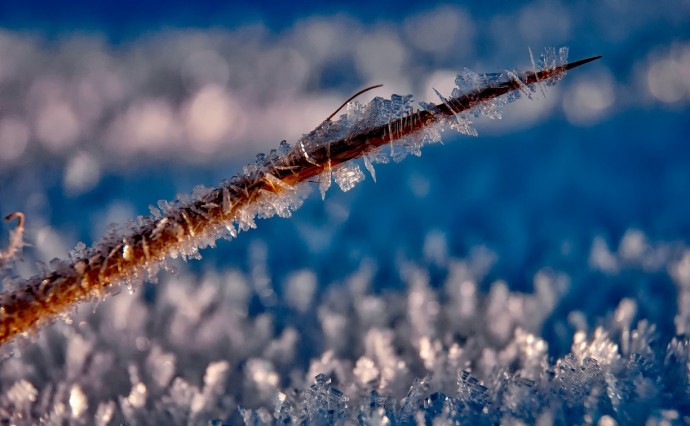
(274,185)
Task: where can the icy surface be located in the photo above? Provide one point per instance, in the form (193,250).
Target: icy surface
(396,357)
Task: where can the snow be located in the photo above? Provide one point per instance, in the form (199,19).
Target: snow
(532,279)
(385,357)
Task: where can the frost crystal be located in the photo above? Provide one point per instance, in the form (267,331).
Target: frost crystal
(347,176)
(325,404)
(370,167)
(471,393)
(432,352)
(551,58)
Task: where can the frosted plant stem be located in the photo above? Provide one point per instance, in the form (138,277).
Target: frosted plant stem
(185,226)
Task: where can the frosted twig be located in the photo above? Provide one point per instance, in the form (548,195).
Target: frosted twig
(183,227)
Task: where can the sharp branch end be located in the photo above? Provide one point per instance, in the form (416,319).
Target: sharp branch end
(576,64)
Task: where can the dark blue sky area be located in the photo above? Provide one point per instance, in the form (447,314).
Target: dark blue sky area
(119,18)
(123,19)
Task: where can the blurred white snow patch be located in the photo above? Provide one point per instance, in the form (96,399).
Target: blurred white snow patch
(522,113)
(381,56)
(205,67)
(625,312)
(237,291)
(320,39)
(116,212)
(436,248)
(299,290)
(587,101)
(293,70)
(419,184)
(286,118)
(634,252)
(680,271)
(601,258)
(633,245)
(334,327)
(48,244)
(667,75)
(502,311)
(97,87)
(261,377)
(128,315)
(600,347)
(481,260)
(160,366)
(77,354)
(607,421)
(365,371)
(148,125)
(544,23)
(16,51)
(57,126)
(22,394)
(210,117)
(283,349)
(14,137)
(550,286)
(78,401)
(82,173)
(49,103)
(441,30)
(441,80)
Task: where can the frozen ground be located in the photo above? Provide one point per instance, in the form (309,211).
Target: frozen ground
(537,274)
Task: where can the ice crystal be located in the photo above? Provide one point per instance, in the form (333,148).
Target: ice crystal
(347,176)
(370,167)
(449,351)
(552,57)
(325,403)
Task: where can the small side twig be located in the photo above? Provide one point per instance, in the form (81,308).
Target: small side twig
(16,238)
(366,89)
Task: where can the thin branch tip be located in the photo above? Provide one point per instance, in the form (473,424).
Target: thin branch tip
(366,89)
(581,62)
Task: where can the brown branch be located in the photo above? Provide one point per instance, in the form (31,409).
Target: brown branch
(184,227)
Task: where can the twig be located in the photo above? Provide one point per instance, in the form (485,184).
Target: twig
(184,227)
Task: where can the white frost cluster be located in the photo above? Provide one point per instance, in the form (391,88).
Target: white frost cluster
(456,348)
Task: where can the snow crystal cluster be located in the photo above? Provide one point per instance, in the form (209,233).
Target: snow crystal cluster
(454,347)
